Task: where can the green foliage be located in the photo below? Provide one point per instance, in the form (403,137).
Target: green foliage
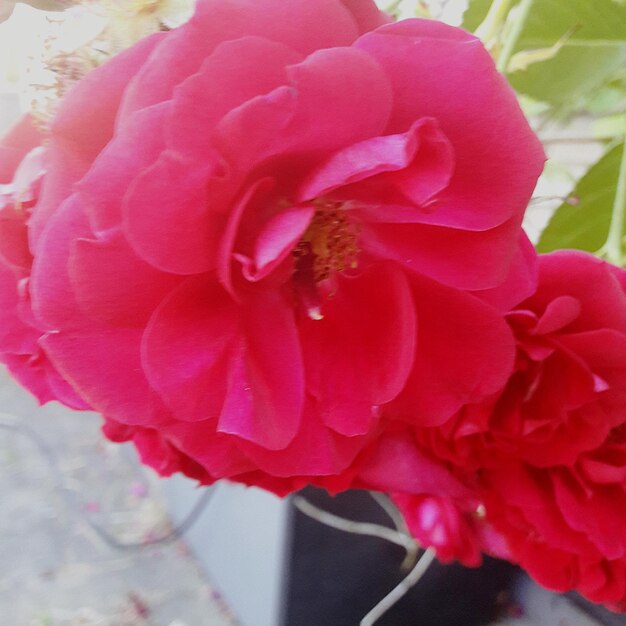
(475,14)
(592,55)
(586,225)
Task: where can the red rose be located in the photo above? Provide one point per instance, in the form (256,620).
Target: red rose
(253,227)
(550,450)
(456,530)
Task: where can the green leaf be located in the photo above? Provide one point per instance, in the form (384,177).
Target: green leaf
(594,55)
(585,226)
(475,14)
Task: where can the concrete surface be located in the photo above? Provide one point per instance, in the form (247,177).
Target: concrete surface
(57,474)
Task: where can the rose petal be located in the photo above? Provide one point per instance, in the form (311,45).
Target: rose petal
(53,300)
(131,152)
(169,217)
(412,471)
(21,138)
(414,166)
(103,365)
(521,281)
(360,354)
(314,114)
(186,347)
(298,24)
(315,450)
(366,14)
(112,285)
(265,396)
(498,158)
(14,248)
(88,122)
(597,516)
(65,166)
(571,272)
(15,336)
(230,76)
(465,352)
(558,314)
(453,257)
(276,241)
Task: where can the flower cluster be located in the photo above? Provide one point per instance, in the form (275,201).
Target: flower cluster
(282,245)
(547,453)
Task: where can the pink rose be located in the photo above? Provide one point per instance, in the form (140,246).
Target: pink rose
(256,228)
(550,449)
(22,164)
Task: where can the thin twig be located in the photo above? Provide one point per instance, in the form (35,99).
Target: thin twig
(398,521)
(390,508)
(576,140)
(398,592)
(350,526)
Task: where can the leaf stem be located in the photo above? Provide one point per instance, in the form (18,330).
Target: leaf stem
(613,247)
(494,19)
(513,37)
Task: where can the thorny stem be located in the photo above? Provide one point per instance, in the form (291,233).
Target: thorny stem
(398,592)
(513,36)
(350,526)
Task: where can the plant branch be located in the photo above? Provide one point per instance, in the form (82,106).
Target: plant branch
(493,21)
(398,592)
(390,508)
(513,36)
(394,514)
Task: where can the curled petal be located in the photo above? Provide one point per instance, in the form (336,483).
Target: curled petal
(498,157)
(314,114)
(409,169)
(276,241)
(462,357)
(230,76)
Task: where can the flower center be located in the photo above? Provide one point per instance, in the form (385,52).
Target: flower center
(330,242)
(329,245)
